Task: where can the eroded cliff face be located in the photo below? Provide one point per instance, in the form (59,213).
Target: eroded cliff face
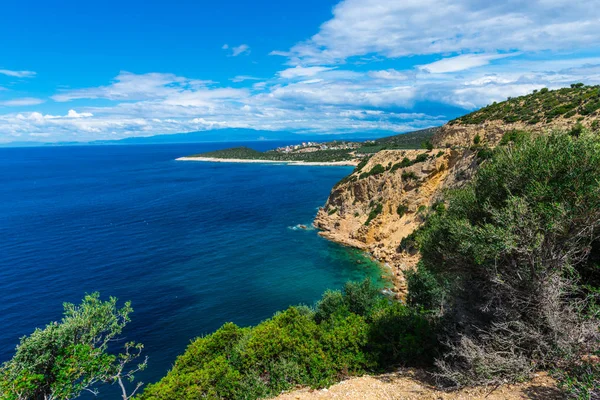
(376,212)
(491,132)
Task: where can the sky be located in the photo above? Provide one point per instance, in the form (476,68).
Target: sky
(83,71)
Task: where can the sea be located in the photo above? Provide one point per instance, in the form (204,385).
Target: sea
(192,245)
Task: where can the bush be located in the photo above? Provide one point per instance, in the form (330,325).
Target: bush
(377,169)
(581,380)
(515,247)
(424,291)
(485,153)
(374,213)
(410,175)
(402,209)
(332,211)
(514,136)
(421,157)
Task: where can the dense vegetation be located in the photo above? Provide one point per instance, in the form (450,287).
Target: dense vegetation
(513,266)
(540,106)
(246,153)
(346,333)
(411,140)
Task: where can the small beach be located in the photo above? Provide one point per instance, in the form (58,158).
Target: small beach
(237,160)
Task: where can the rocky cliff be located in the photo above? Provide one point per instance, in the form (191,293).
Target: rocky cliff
(387,197)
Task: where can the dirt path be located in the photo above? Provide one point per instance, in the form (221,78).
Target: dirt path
(409,385)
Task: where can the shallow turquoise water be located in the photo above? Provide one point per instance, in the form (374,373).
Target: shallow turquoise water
(191,244)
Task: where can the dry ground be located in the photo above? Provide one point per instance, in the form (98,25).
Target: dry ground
(411,384)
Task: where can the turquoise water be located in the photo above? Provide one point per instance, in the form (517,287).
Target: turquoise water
(191,244)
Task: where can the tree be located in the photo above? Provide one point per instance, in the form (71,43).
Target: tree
(69,357)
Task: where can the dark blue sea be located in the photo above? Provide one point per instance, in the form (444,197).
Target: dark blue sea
(193,245)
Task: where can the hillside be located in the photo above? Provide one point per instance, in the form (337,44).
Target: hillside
(538,112)
(395,198)
(540,107)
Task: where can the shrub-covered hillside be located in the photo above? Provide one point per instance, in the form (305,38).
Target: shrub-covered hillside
(542,106)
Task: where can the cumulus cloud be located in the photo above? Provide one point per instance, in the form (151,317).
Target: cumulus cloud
(394,28)
(17,74)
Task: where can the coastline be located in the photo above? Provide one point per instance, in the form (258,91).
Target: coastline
(349,163)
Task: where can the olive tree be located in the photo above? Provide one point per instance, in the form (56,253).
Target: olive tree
(74,355)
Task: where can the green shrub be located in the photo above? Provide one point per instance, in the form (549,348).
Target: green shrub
(514,136)
(421,157)
(427,145)
(401,335)
(377,169)
(581,380)
(409,175)
(362,164)
(402,209)
(515,247)
(424,291)
(374,213)
(332,211)
(485,153)
(576,130)
(476,140)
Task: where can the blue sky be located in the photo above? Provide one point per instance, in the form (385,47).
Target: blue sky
(80,71)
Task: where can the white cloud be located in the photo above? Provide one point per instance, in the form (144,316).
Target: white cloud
(129,86)
(462,62)
(393,28)
(17,74)
(242,78)
(389,74)
(75,114)
(23,101)
(301,72)
(237,50)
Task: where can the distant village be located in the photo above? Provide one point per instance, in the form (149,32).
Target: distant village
(308,147)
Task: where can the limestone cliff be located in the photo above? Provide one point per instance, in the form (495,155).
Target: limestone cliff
(386,199)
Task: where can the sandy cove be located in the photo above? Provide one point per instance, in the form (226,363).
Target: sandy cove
(237,160)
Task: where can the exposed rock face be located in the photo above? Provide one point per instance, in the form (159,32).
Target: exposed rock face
(345,217)
(491,132)
(402,195)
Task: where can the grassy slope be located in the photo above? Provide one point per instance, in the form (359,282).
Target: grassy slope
(543,106)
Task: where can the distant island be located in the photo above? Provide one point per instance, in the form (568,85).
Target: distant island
(337,152)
